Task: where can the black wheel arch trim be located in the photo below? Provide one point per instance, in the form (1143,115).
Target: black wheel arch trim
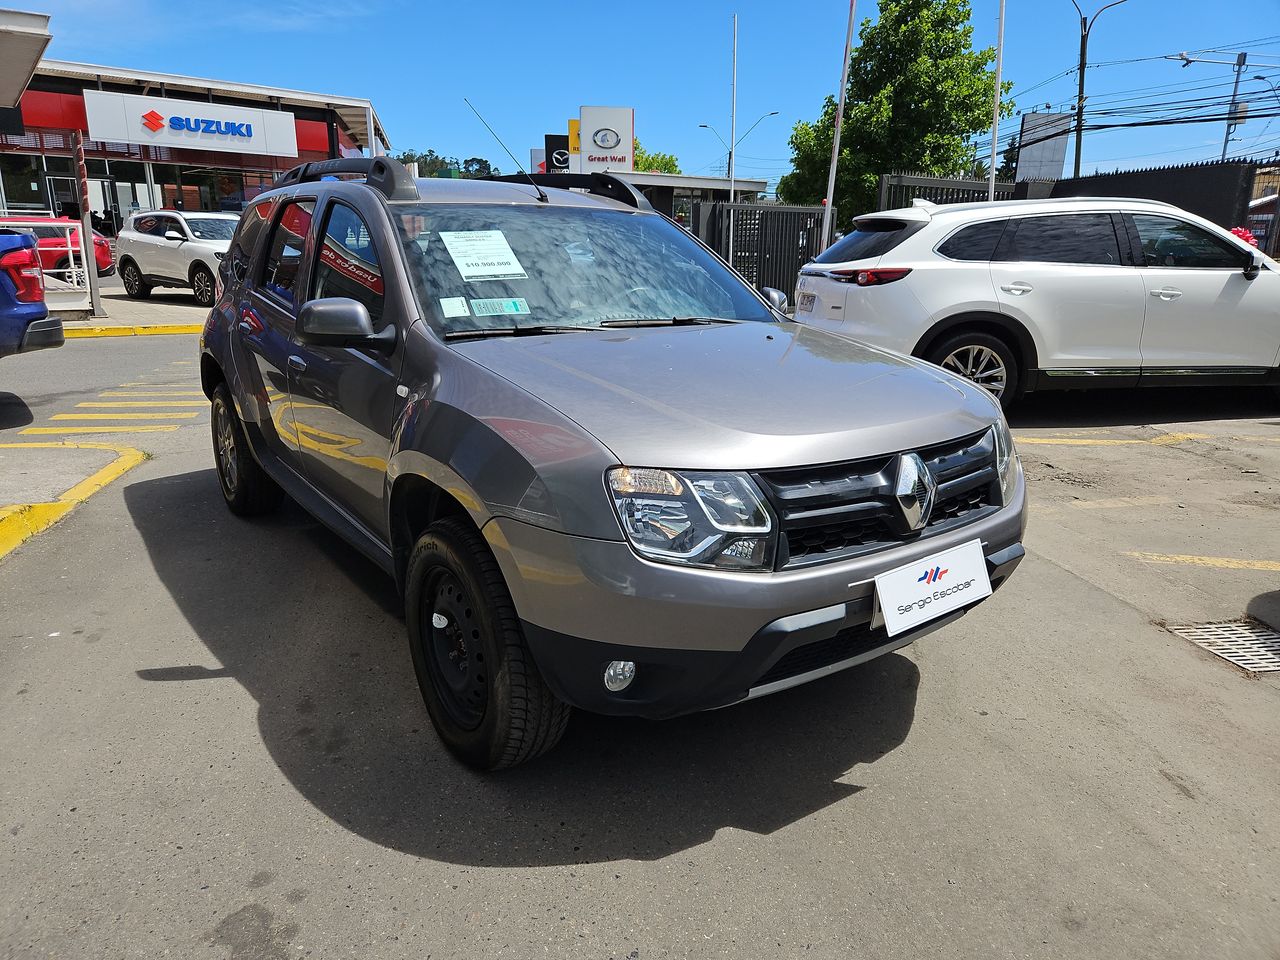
(998,324)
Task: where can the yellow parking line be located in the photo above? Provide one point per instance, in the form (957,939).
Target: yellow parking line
(18,522)
(143,403)
(135,330)
(140,428)
(1164,440)
(146,393)
(1224,563)
(124,416)
(156,386)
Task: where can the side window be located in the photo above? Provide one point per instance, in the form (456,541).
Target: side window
(1167,242)
(1065,238)
(348,264)
(284,251)
(252,222)
(148,224)
(165,224)
(976,242)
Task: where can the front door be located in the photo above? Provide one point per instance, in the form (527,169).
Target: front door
(266,326)
(1201,309)
(1064,276)
(344,398)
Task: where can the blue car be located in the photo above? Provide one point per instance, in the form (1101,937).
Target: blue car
(25,323)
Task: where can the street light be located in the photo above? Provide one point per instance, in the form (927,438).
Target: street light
(732,183)
(1086,24)
(1258,76)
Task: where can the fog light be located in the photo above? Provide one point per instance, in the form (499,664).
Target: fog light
(618,675)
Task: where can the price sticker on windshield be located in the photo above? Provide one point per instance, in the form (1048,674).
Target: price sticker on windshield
(482,255)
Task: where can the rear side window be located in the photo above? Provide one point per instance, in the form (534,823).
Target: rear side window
(284,252)
(148,224)
(870,237)
(1069,238)
(1167,242)
(975,242)
(348,265)
(252,223)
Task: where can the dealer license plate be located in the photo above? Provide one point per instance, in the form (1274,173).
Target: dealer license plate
(806,302)
(935,585)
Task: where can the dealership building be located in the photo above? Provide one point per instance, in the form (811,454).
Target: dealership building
(164,140)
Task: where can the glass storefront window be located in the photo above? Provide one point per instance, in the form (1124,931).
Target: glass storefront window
(23,183)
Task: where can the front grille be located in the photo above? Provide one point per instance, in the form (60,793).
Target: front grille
(839,510)
(846,644)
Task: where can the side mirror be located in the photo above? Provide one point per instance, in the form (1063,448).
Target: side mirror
(1253,267)
(777,299)
(172,234)
(341,322)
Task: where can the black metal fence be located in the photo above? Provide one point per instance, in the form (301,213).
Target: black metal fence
(1217,191)
(771,241)
(899,189)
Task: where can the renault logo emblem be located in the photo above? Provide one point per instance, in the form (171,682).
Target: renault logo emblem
(914,490)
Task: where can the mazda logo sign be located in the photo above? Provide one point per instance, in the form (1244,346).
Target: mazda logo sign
(560,158)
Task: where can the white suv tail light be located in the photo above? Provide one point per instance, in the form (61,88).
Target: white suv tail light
(869,278)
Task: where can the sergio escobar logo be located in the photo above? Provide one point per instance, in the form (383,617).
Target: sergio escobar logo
(223,128)
(932,576)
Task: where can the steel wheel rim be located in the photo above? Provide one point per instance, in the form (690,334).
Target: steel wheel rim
(451,636)
(980,364)
(225,445)
(202,287)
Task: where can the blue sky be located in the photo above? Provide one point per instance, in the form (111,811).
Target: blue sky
(529,66)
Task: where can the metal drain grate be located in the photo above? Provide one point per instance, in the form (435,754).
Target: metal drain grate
(1247,643)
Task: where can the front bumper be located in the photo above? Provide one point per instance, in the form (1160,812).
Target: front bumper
(706,638)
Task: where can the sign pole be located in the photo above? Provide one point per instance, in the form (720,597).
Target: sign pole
(733,132)
(89,260)
(995,110)
(835,141)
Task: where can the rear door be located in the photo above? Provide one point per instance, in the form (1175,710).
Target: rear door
(344,397)
(1070,281)
(267,321)
(1201,309)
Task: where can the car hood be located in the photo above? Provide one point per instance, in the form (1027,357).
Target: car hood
(738,396)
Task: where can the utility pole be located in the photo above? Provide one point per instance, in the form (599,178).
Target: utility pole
(995,109)
(1086,25)
(1241,58)
(835,140)
(733,132)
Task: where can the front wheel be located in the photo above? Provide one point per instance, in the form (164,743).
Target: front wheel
(134,285)
(982,358)
(202,286)
(486,698)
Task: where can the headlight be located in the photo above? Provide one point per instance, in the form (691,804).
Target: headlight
(1006,460)
(695,519)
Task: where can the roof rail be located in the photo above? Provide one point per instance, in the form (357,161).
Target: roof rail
(600,184)
(385,174)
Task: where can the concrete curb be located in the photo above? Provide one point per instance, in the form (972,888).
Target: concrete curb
(136,330)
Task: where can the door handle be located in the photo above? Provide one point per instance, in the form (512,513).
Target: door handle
(1017,288)
(297,363)
(1167,293)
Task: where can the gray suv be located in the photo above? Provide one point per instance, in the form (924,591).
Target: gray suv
(604,472)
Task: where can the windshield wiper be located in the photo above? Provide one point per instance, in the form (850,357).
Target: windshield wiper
(530,331)
(664,321)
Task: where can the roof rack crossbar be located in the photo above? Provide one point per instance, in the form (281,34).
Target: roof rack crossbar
(600,184)
(385,174)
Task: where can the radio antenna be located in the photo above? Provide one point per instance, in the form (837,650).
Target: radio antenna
(542,194)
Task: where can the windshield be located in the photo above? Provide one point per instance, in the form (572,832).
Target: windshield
(486,266)
(211,228)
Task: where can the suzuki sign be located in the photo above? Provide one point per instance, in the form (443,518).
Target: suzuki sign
(189,124)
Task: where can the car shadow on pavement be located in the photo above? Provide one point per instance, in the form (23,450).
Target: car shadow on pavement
(1114,408)
(312,630)
(1265,607)
(14,411)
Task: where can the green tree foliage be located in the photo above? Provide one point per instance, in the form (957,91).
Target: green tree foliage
(1008,169)
(918,94)
(647,162)
(432,164)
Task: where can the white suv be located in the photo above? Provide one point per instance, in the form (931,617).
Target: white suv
(169,248)
(1043,294)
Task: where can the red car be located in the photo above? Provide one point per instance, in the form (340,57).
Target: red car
(51,242)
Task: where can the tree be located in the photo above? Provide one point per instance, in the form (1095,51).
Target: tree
(432,164)
(918,94)
(978,169)
(647,162)
(1008,169)
(478,167)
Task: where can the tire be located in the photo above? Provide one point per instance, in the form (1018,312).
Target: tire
(486,698)
(989,357)
(202,285)
(248,490)
(76,278)
(136,287)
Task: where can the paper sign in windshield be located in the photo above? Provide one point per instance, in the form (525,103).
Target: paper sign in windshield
(482,255)
(499,307)
(454,307)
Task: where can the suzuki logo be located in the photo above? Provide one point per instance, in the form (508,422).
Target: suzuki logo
(932,576)
(914,490)
(152,121)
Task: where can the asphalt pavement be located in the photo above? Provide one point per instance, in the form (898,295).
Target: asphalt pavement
(214,745)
